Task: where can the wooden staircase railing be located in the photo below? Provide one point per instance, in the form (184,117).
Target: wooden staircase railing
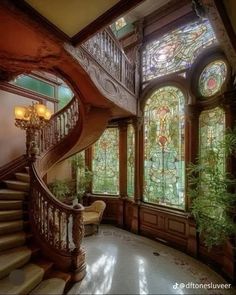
(106,49)
(57,228)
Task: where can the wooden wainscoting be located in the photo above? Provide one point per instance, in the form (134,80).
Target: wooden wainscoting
(169,226)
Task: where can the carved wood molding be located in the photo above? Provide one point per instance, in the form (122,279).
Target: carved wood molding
(108,86)
(221,31)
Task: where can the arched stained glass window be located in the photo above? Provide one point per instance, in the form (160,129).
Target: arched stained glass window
(164,166)
(212,129)
(212,78)
(106,163)
(176,50)
(130,160)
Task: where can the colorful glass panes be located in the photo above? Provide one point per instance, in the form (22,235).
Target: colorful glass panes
(212,129)
(106,163)
(120,23)
(176,50)
(164,165)
(212,78)
(130,160)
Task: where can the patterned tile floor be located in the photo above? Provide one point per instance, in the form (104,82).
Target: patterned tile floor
(119,262)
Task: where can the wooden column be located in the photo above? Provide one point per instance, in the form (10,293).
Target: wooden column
(123,172)
(192,113)
(135,224)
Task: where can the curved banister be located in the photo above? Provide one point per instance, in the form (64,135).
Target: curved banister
(57,227)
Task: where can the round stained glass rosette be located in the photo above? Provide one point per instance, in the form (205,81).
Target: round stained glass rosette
(212,78)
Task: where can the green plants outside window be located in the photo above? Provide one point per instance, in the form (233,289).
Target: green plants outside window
(213,192)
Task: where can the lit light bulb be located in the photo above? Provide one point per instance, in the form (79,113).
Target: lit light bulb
(41,109)
(20,113)
(47,114)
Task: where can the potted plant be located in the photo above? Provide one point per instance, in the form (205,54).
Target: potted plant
(61,189)
(213,192)
(82,176)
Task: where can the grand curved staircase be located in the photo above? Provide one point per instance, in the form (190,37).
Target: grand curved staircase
(40,237)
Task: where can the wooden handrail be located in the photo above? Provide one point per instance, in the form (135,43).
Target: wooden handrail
(107,51)
(57,227)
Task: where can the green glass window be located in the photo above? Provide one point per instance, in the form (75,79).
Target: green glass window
(130,160)
(212,129)
(106,163)
(212,78)
(164,165)
(64,96)
(36,85)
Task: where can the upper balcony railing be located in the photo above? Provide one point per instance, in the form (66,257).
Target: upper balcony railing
(107,51)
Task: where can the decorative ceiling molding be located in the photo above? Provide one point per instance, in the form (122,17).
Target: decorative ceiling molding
(222,29)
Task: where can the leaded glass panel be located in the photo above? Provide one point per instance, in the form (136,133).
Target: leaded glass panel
(212,129)
(212,78)
(106,163)
(164,165)
(130,160)
(176,50)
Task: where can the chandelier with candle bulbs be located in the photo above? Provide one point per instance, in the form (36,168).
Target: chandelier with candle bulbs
(33,117)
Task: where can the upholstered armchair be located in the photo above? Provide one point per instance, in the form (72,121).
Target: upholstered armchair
(92,216)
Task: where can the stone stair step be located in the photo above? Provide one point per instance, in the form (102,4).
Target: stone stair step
(15,258)
(22,177)
(12,240)
(11,226)
(9,215)
(9,194)
(17,185)
(11,205)
(22,280)
(53,286)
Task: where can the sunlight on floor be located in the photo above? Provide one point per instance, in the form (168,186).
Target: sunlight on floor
(119,262)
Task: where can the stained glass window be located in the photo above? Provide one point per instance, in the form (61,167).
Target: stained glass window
(130,160)
(212,78)
(120,23)
(212,128)
(106,163)
(176,50)
(164,166)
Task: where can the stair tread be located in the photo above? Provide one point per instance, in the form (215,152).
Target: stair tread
(13,258)
(6,212)
(22,177)
(22,173)
(10,215)
(6,193)
(11,202)
(29,277)
(17,182)
(11,226)
(50,286)
(12,240)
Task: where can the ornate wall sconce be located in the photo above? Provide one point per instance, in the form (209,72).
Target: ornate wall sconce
(32,119)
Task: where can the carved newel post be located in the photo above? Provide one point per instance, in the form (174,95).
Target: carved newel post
(78,265)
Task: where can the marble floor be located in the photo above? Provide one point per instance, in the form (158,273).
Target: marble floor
(119,262)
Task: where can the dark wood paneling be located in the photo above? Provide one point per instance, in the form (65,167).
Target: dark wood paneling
(165,226)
